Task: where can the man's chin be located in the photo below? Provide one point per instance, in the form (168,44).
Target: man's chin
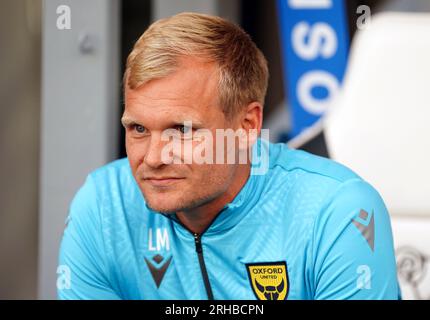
(164,205)
(169,206)
(162,208)
(173,203)
(162,202)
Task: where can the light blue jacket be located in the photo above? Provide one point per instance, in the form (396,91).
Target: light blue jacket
(308,228)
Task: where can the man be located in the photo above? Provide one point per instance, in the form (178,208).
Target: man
(163,224)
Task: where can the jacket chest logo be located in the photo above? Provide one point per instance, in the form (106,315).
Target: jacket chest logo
(269,280)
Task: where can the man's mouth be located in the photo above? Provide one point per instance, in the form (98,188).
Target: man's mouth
(162,181)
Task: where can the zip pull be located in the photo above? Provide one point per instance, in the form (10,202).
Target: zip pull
(198,242)
(199,250)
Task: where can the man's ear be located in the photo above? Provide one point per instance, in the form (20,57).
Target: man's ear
(251,123)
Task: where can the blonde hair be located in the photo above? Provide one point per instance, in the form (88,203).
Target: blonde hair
(243,72)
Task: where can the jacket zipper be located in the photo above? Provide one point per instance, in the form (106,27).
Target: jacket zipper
(199,250)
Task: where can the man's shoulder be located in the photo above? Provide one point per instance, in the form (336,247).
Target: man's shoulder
(310,166)
(324,183)
(311,182)
(117,172)
(112,180)
(112,168)
(109,195)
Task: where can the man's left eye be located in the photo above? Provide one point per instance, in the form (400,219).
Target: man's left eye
(184,129)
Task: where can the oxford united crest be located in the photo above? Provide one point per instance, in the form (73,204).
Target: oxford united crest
(269,280)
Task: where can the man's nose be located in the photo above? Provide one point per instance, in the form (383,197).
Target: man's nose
(154,154)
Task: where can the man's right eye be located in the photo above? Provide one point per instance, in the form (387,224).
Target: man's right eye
(139,128)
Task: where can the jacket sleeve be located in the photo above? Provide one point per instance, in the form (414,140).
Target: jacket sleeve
(352,245)
(82,272)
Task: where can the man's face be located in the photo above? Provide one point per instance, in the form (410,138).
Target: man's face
(189,94)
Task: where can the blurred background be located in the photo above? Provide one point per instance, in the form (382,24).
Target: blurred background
(349,80)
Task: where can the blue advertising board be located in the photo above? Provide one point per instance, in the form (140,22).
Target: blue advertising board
(315,45)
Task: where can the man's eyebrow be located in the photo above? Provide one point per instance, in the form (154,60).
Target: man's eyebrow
(194,122)
(127,121)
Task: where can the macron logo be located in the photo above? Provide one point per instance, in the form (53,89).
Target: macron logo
(365,223)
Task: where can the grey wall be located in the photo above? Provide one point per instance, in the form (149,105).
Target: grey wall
(228,9)
(19,146)
(79,115)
